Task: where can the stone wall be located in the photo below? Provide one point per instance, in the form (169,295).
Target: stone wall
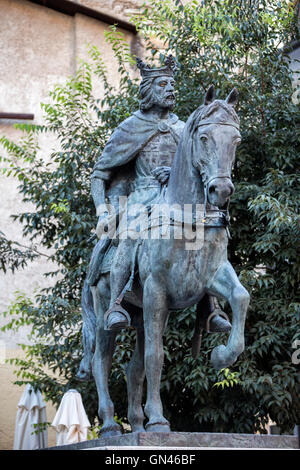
(122,9)
(40,47)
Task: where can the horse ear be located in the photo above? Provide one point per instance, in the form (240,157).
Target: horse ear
(233,97)
(210,95)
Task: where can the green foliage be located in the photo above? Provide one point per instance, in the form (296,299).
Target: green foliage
(228,43)
(230,378)
(40,427)
(13,256)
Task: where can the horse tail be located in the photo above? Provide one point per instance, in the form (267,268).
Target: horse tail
(88,333)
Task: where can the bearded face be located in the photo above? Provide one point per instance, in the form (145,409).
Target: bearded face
(157,92)
(163,92)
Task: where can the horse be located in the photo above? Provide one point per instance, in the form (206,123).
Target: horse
(172,277)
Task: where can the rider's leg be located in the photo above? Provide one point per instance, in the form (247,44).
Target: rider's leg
(121,268)
(99,251)
(119,275)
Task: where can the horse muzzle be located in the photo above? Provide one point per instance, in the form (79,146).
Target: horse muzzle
(219,190)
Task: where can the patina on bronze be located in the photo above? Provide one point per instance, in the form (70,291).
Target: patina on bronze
(147,150)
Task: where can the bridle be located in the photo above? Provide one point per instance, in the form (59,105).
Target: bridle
(225,212)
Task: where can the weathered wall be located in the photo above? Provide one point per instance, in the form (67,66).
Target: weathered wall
(10,395)
(40,47)
(122,9)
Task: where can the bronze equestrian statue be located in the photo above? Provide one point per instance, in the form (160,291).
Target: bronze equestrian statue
(154,159)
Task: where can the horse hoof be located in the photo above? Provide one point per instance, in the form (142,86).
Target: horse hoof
(158,427)
(110,431)
(138,429)
(218,357)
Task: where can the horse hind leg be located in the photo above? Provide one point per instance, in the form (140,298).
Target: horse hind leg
(135,374)
(101,364)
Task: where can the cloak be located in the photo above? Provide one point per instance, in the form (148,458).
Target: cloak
(130,137)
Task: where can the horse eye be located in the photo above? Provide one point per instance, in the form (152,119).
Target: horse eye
(203,138)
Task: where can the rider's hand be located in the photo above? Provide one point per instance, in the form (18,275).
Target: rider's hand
(162,173)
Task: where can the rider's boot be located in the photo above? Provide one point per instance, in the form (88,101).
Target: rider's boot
(116,317)
(214,320)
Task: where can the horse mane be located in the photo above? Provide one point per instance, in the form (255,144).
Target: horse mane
(206,110)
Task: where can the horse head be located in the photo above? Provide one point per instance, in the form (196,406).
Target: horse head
(214,133)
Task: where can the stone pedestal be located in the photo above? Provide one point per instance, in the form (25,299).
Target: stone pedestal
(186,441)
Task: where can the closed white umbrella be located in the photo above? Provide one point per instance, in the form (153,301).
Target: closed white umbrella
(71,422)
(31,411)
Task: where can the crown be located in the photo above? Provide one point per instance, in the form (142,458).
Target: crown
(146,71)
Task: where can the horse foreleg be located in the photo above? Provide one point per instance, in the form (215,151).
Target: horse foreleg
(135,380)
(226,284)
(101,365)
(155,320)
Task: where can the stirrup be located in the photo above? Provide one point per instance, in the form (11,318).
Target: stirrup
(216,312)
(116,307)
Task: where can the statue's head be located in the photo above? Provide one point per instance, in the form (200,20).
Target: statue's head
(157,85)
